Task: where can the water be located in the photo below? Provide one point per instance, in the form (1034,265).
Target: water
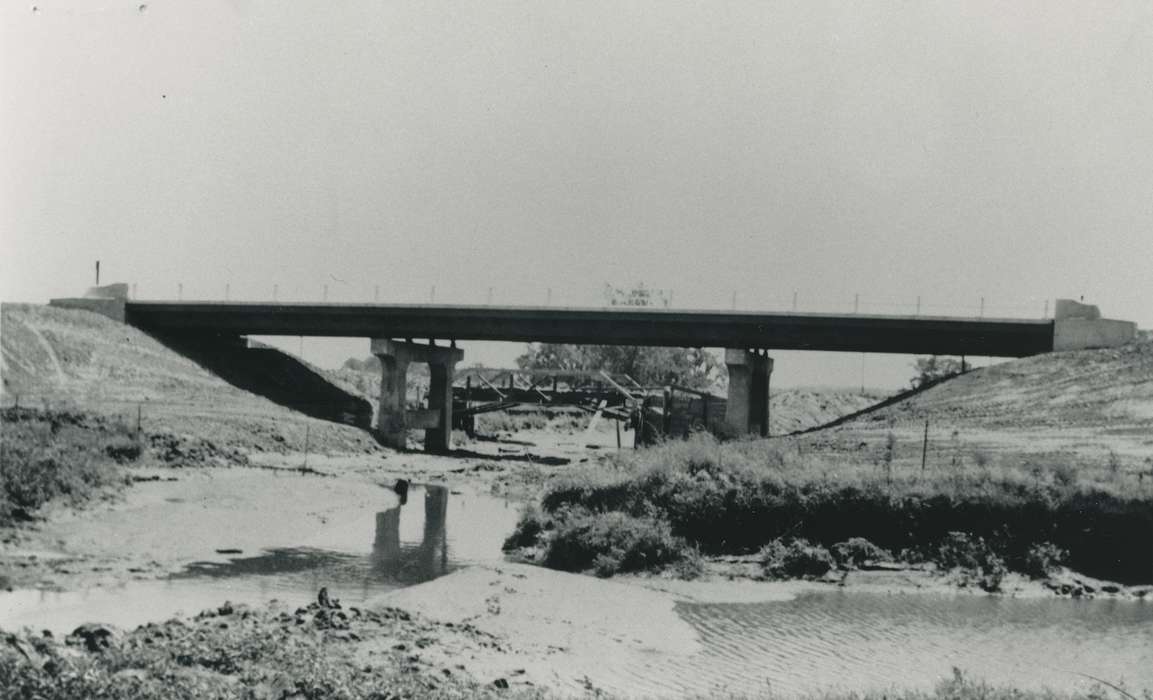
(835,639)
(434,533)
(855,640)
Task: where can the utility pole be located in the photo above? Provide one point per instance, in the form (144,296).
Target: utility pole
(97,273)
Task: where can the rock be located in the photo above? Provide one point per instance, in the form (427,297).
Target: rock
(94,636)
(500,683)
(401,489)
(131,673)
(324,601)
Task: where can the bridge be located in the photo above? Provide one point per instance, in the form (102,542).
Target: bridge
(745,336)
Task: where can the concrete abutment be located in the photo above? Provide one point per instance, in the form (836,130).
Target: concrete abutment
(747,409)
(394,419)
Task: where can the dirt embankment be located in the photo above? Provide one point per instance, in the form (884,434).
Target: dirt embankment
(1092,408)
(64,359)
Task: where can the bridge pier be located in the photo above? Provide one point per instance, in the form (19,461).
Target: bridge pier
(394,419)
(747,410)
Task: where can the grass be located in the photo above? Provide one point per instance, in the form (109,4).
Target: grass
(739,497)
(49,455)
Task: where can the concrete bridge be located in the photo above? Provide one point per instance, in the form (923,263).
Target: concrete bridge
(745,336)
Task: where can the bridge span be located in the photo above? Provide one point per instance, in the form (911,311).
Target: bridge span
(925,335)
(745,336)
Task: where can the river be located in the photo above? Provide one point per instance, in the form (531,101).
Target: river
(845,639)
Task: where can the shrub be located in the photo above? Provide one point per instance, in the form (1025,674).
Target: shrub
(46,455)
(973,558)
(795,559)
(612,542)
(1064,474)
(122,449)
(1043,559)
(854,552)
(528,529)
(733,498)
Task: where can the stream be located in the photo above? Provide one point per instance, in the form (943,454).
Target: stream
(846,639)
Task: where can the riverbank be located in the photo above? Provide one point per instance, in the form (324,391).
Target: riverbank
(572,634)
(525,632)
(821,515)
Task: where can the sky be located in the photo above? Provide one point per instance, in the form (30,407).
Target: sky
(736,154)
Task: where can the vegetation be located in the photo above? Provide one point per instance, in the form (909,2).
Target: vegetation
(795,559)
(739,497)
(691,367)
(237,652)
(509,422)
(611,543)
(930,370)
(45,455)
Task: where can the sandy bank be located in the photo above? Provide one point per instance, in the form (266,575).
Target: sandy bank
(569,632)
(187,515)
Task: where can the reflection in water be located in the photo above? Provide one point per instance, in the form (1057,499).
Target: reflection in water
(413,564)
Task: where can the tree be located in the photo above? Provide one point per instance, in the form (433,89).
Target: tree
(691,367)
(932,369)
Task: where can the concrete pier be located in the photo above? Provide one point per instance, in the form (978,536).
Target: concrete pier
(750,371)
(394,419)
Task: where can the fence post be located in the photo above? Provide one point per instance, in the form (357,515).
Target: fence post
(925,446)
(794,300)
(306,436)
(139,414)
(982,314)
(918,305)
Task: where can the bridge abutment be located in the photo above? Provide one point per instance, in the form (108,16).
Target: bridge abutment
(747,409)
(394,419)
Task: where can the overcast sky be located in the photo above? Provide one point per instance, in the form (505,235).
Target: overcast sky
(948,150)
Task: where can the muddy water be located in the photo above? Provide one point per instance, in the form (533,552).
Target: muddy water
(855,640)
(838,639)
(435,532)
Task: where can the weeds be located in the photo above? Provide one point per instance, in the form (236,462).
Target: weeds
(855,552)
(47,455)
(973,559)
(738,497)
(1043,559)
(795,559)
(611,543)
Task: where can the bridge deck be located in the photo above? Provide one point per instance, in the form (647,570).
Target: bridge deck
(607,326)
